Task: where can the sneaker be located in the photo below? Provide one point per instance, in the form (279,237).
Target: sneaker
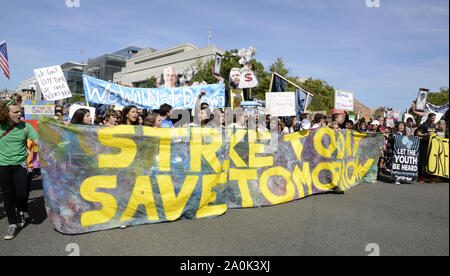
(397,183)
(23,217)
(421,180)
(12,232)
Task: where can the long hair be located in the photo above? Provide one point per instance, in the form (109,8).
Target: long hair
(397,127)
(78,116)
(4,111)
(125,111)
(150,121)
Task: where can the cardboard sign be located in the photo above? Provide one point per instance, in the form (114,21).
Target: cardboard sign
(280,104)
(343,100)
(52,82)
(36,109)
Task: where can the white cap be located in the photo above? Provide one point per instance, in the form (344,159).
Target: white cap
(375,123)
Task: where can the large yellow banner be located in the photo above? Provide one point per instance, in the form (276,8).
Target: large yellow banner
(438,156)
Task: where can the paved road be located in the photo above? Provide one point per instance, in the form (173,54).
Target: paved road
(401,220)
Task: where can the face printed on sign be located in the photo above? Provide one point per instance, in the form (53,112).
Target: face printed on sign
(170,77)
(235,77)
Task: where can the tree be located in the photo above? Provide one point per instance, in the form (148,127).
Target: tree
(323,99)
(231,60)
(323,93)
(439,98)
(279,67)
(151,83)
(77,98)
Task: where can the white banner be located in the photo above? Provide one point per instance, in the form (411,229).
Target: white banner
(52,82)
(438,110)
(280,103)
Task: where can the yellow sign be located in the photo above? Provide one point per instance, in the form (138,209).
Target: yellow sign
(438,156)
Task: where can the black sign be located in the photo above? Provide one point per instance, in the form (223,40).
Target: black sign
(405,161)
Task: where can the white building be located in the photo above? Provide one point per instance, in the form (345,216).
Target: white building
(149,62)
(29,84)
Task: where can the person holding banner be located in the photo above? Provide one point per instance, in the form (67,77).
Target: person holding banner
(440,129)
(153,120)
(400,129)
(13,165)
(165,111)
(110,118)
(410,128)
(425,131)
(130,116)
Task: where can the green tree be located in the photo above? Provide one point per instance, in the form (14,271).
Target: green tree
(439,98)
(151,83)
(231,60)
(77,98)
(279,67)
(323,99)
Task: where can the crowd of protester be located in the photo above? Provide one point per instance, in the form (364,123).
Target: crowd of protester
(15,133)
(161,118)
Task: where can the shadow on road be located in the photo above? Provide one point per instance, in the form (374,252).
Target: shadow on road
(37,210)
(36,206)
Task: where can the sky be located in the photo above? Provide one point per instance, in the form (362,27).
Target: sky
(383,54)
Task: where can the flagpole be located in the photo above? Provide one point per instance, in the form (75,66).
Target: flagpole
(209,37)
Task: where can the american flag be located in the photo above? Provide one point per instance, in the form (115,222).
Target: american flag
(4,59)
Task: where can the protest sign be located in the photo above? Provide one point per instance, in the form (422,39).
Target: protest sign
(422,99)
(237,96)
(98,178)
(438,156)
(343,100)
(392,117)
(405,159)
(248,79)
(75,107)
(102,92)
(280,103)
(218,64)
(438,110)
(52,83)
(35,109)
(252,107)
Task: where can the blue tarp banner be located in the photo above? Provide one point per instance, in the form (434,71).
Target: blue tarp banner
(102,92)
